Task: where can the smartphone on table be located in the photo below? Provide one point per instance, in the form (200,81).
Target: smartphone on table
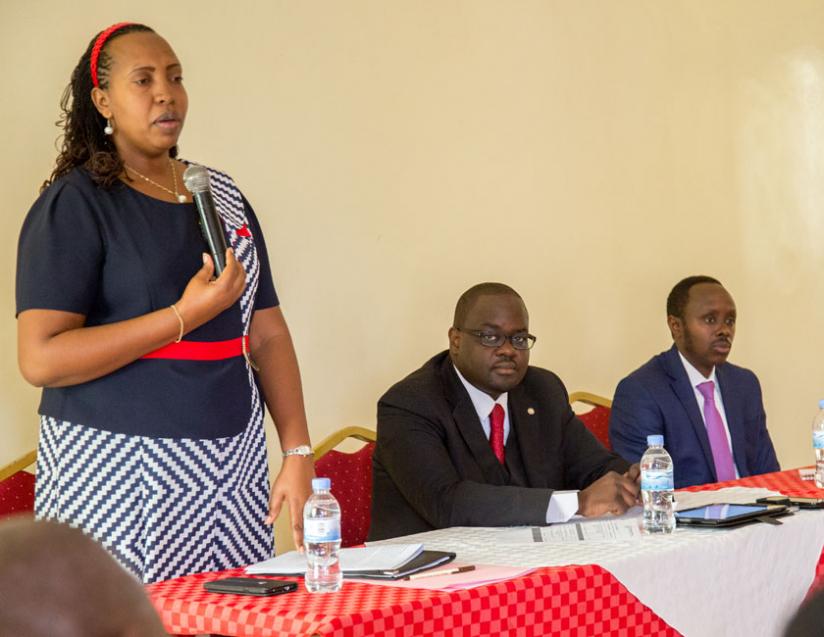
(250,586)
(801,503)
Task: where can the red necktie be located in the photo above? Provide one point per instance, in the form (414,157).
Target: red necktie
(724,465)
(496,431)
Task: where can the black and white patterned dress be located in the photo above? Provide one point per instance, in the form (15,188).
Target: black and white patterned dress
(164,460)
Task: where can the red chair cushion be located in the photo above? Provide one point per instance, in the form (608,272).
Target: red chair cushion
(597,421)
(351,475)
(17,494)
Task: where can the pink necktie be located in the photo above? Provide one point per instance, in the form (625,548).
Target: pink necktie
(496,431)
(721,455)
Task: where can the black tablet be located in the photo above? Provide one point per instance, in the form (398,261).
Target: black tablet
(727,515)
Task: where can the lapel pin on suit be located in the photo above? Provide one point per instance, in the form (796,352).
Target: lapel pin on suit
(530,411)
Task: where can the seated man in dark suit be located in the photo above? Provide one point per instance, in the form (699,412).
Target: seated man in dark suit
(709,411)
(476,437)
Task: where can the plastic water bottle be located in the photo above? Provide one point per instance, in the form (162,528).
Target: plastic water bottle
(657,487)
(818,445)
(321,539)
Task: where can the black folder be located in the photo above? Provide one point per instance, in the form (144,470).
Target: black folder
(424,561)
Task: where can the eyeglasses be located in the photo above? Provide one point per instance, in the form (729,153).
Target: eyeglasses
(521,340)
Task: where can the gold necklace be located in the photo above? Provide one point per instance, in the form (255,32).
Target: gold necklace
(175,192)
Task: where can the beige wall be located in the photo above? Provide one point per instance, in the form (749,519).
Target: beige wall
(588,153)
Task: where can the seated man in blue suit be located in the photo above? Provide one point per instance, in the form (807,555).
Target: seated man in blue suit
(708,410)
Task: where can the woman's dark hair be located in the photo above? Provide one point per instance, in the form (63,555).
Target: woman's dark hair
(84,142)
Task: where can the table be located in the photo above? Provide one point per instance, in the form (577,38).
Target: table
(788,483)
(564,600)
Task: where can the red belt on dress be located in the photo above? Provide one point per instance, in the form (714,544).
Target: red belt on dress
(203,351)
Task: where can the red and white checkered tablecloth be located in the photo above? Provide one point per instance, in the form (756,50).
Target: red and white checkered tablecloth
(577,600)
(567,601)
(787,482)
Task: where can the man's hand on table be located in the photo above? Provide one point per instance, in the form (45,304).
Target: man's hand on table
(634,474)
(612,493)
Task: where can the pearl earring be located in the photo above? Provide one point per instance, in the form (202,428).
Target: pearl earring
(108,129)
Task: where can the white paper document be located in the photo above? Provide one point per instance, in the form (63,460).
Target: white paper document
(353,560)
(603,530)
(482,575)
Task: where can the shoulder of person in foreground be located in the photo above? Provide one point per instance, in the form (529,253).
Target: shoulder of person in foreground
(809,619)
(54,580)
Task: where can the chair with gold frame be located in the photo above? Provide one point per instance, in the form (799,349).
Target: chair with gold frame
(351,476)
(17,486)
(597,418)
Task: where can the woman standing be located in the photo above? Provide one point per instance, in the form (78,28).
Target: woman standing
(151,436)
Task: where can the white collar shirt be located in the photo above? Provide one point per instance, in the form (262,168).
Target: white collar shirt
(696,378)
(562,504)
(484,403)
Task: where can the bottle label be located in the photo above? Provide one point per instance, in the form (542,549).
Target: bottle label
(657,480)
(323,530)
(818,440)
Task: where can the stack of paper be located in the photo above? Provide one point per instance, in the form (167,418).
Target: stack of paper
(386,557)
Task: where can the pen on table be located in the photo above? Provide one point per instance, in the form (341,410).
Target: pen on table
(445,571)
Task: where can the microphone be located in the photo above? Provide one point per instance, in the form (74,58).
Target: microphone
(196,179)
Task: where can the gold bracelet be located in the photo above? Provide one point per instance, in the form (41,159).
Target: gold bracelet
(179,320)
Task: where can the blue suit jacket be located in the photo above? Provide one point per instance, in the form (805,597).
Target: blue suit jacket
(657,398)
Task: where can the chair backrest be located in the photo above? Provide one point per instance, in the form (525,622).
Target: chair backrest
(351,475)
(597,418)
(17,486)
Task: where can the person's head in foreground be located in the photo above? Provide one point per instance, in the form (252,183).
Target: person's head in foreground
(57,582)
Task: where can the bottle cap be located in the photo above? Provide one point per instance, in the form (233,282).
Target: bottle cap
(821,404)
(655,441)
(321,484)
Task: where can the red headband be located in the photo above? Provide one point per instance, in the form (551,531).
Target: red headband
(98,46)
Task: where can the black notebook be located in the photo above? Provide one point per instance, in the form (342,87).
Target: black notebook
(424,561)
